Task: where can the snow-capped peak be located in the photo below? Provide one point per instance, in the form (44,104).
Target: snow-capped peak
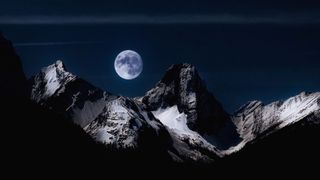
(65,93)
(50,79)
(54,74)
(60,65)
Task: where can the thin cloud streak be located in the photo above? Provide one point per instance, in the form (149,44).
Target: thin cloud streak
(26,44)
(160,19)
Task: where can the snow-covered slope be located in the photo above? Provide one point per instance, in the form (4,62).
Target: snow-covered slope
(120,124)
(57,89)
(173,119)
(50,80)
(255,120)
(110,119)
(176,123)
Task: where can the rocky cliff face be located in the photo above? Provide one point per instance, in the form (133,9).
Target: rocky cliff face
(183,87)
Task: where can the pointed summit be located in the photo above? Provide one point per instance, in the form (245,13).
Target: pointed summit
(179,71)
(49,80)
(182,86)
(60,65)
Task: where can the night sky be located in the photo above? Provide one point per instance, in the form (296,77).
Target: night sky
(264,50)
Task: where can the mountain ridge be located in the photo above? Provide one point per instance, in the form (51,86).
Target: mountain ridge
(179,105)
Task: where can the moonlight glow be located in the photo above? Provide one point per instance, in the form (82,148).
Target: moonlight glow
(128,64)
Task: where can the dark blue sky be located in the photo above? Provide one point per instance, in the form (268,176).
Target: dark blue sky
(264,50)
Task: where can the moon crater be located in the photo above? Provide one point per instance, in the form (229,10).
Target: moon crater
(128,64)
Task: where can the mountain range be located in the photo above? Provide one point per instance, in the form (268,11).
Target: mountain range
(178,121)
(179,114)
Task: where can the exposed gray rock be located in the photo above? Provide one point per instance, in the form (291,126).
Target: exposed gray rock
(182,86)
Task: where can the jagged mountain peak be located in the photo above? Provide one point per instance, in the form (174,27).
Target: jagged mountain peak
(51,80)
(60,90)
(58,66)
(182,86)
(179,81)
(179,71)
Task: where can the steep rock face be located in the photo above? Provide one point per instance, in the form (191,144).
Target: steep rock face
(182,86)
(191,114)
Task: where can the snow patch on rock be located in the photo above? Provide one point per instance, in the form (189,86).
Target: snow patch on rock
(176,122)
(173,119)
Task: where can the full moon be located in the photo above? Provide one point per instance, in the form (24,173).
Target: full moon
(128,64)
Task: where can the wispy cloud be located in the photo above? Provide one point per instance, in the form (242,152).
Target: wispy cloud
(161,19)
(26,44)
